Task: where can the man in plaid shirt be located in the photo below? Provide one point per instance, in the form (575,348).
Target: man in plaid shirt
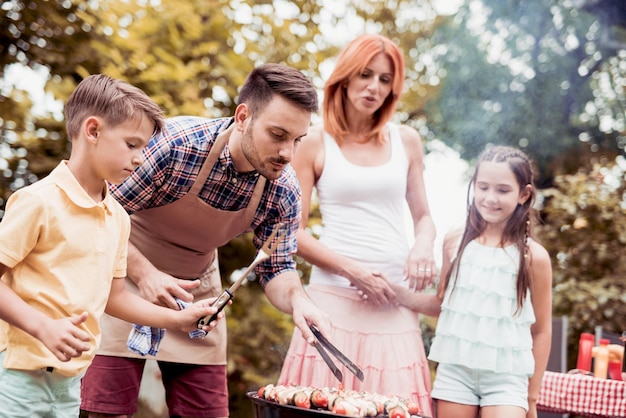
(204,182)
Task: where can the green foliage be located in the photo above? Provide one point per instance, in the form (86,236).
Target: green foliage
(36,33)
(526,73)
(410,25)
(585,232)
(259,336)
(176,51)
(536,73)
(44,33)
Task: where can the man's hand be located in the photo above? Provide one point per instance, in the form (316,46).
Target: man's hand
(306,313)
(162,289)
(64,338)
(154,285)
(286,293)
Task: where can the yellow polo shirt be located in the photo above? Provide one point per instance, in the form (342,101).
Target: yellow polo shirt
(63,251)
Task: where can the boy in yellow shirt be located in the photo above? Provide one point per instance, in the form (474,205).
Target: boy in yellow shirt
(63,247)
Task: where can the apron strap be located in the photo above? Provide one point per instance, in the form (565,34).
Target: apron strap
(214,153)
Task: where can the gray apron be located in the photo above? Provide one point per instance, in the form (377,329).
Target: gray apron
(182,239)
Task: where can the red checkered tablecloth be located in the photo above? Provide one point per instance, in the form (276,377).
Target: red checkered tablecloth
(582,395)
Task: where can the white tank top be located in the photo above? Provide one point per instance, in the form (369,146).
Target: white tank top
(363,211)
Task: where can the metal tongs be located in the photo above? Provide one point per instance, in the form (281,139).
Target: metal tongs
(263,254)
(322,344)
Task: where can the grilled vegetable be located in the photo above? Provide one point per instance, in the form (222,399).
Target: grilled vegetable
(413,407)
(398,412)
(302,399)
(341,402)
(319,399)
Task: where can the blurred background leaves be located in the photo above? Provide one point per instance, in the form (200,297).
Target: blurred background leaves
(548,76)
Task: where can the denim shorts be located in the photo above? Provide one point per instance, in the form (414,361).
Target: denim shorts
(37,393)
(458,384)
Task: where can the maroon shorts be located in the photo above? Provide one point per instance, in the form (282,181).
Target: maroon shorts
(111,386)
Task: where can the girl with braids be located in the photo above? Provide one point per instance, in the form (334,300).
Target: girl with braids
(493,334)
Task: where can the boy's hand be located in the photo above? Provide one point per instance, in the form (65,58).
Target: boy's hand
(64,338)
(188,318)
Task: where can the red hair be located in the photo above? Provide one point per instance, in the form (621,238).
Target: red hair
(350,63)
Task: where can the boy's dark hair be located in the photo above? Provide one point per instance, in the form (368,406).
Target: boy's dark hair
(268,80)
(114,100)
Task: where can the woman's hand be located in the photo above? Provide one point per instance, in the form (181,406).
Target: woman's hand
(420,268)
(373,287)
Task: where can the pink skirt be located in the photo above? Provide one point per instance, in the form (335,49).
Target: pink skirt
(385,342)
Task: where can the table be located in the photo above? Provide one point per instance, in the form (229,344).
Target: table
(582,395)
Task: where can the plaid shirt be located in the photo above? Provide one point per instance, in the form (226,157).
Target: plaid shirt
(172,162)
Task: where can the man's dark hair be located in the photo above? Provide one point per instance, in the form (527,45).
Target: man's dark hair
(268,80)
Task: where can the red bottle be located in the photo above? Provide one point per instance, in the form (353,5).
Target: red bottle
(584,352)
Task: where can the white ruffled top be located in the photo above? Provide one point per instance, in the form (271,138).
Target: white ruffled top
(478,327)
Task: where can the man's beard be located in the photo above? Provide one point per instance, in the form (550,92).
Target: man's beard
(252,155)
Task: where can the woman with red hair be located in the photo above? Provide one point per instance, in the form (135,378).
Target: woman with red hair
(365,170)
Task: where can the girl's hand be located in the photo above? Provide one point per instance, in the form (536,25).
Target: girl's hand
(373,287)
(419,302)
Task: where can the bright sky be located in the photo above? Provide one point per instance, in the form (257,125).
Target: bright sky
(446,178)
(27,79)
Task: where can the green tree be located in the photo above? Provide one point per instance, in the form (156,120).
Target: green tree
(35,34)
(411,26)
(542,75)
(190,57)
(528,73)
(584,230)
